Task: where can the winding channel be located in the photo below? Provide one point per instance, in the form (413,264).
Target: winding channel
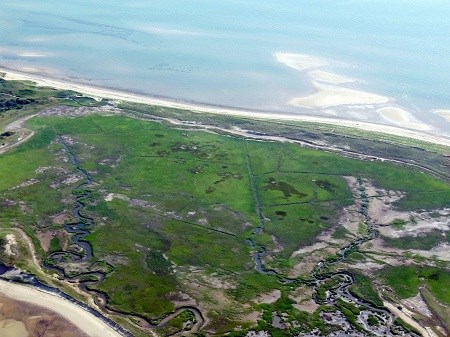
(80,251)
(345,279)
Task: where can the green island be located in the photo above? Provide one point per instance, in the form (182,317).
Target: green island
(172,222)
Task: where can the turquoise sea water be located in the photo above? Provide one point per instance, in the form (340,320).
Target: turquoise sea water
(222,52)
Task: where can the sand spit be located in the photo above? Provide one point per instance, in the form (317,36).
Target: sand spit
(402,117)
(300,61)
(326,77)
(99,93)
(31,54)
(444,114)
(329,96)
(86,322)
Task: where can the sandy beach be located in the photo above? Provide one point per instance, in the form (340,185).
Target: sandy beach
(89,324)
(99,93)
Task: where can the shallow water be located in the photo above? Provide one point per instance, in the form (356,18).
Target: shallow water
(222,52)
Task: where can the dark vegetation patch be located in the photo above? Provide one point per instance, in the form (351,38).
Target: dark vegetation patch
(6,134)
(157,264)
(55,244)
(287,189)
(363,288)
(281,214)
(326,185)
(340,233)
(398,224)
(372,320)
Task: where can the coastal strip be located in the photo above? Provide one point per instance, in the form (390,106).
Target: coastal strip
(99,93)
(84,320)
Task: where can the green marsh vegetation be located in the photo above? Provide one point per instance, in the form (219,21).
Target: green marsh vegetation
(406,281)
(172,205)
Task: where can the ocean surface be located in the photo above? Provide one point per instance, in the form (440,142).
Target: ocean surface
(223,52)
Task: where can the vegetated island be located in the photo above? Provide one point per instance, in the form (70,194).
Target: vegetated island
(163,221)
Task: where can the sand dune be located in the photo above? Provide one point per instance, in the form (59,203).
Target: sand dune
(328,96)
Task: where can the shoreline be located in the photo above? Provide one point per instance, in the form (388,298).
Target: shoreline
(85,321)
(99,93)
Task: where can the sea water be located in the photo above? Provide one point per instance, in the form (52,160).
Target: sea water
(221,52)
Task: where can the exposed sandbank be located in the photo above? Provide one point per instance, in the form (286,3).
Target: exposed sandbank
(300,61)
(329,96)
(99,93)
(444,114)
(86,322)
(402,117)
(324,76)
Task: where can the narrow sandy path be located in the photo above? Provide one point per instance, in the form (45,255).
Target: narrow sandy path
(17,126)
(423,331)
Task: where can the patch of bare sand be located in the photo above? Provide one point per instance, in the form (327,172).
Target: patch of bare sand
(300,61)
(60,218)
(303,299)
(268,298)
(12,328)
(421,224)
(394,256)
(10,244)
(329,96)
(45,238)
(402,117)
(417,304)
(310,249)
(308,261)
(253,316)
(350,217)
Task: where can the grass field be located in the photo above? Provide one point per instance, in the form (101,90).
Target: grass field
(406,280)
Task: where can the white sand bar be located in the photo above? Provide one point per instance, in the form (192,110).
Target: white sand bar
(444,114)
(328,96)
(85,321)
(98,92)
(300,61)
(324,76)
(402,117)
